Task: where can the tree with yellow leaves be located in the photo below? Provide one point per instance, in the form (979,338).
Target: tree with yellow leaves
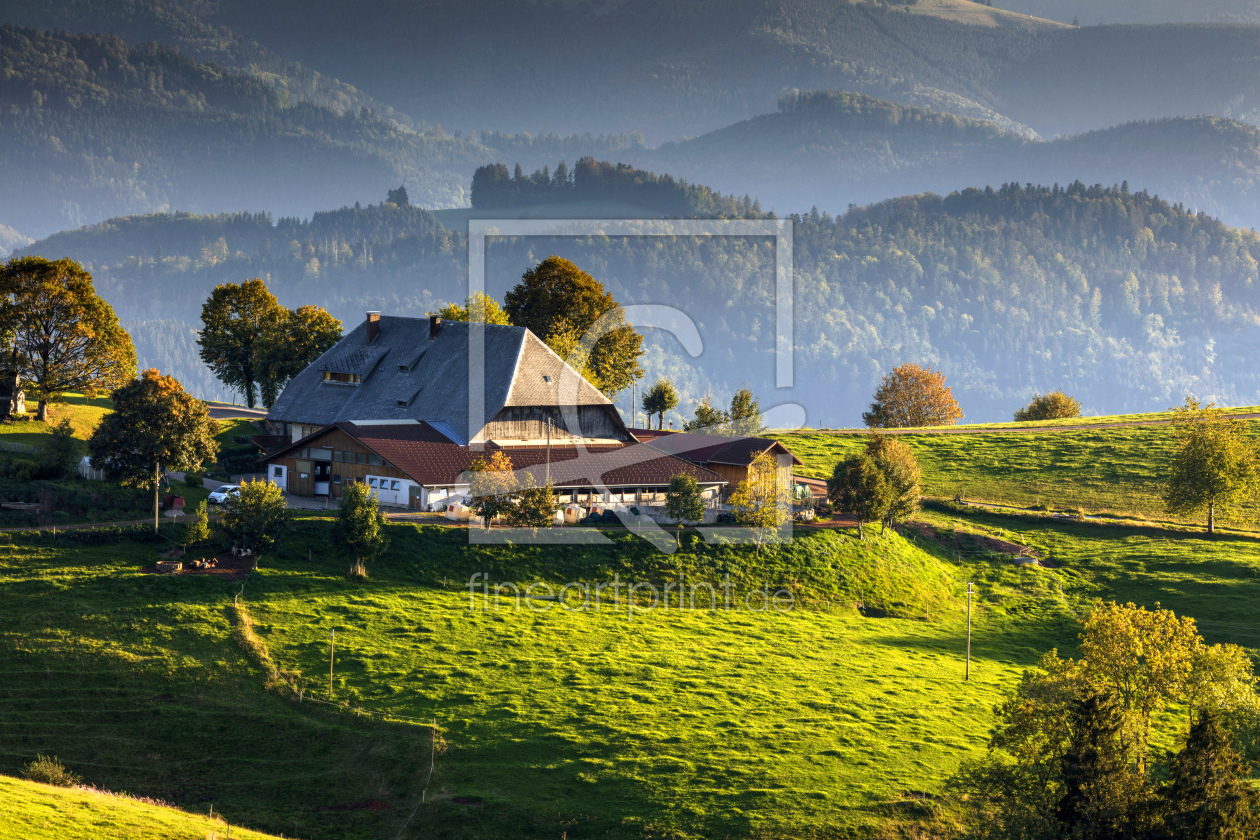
(762,501)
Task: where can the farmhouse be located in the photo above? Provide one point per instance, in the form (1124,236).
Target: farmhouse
(389,406)
(729,457)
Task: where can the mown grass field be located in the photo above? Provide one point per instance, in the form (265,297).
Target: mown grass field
(40,812)
(1103,470)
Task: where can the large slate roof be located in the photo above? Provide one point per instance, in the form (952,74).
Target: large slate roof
(408,376)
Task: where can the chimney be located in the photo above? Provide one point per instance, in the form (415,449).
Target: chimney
(435,326)
(373,326)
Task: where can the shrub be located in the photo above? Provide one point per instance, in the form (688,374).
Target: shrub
(50,771)
(1055,405)
(193,479)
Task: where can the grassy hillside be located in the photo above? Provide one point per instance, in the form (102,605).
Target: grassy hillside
(1094,12)
(740,721)
(41,812)
(813,723)
(1099,470)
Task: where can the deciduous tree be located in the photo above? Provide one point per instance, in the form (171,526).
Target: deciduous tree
(254,517)
(360,527)
(709,420)
(492,484)
(480,308)
(532,507)
(912,396)
(901,474)
(658,399)
(859,487)
(155,426)
(64,336)
(558,299)
(290,342)
(1215,468)
(233,319)
(762,501)
(683,503)
(1055,405)
(745,414)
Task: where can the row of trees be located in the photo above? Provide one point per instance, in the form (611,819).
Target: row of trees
(255,345)
(742,419)
(593,180)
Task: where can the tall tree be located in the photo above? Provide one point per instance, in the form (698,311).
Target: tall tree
(155,426)
(360,526)
(658,399)
(762,501)
(912,396)
(709,420)
(1216,467)
(683,503)
(859,487)
(64,336)
(558,299)
(289,344)
(901,473)
(745,414)
(480,308)
(1101,786)
(1208,795)
(233,319)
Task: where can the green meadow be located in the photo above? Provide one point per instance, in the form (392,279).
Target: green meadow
(841,717)
(1101,470)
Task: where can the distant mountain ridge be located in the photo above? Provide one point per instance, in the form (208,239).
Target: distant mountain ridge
(94,127)
(833,149)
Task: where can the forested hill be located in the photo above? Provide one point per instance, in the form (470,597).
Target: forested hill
(832,149)
(141,21)
(93,127)
(1125,300)
(592,180)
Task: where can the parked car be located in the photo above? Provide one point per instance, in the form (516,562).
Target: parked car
(222,494)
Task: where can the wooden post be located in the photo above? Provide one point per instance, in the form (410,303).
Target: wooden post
(332,647)
(967,675)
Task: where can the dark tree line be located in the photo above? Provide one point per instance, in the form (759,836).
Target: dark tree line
(593,180)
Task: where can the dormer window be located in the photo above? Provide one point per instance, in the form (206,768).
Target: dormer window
(347,378)
(546,379)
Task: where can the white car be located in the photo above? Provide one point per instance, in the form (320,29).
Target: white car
(221,495)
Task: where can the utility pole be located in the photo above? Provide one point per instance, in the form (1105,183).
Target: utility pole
(967,675)
(634,412)
(332,646)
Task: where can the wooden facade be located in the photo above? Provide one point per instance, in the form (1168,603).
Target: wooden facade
(734,474)
(531,423)
(333,460)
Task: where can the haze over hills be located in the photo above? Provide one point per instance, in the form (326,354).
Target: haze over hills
(832,149)
(94,127)
(1127,300)
(1092,12)
(670,69)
